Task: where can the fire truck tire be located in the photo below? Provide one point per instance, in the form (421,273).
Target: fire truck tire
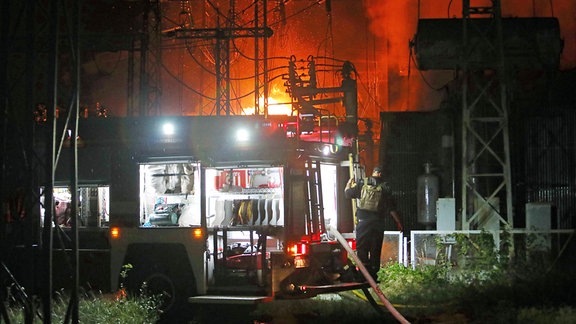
(158,270)
(159,284)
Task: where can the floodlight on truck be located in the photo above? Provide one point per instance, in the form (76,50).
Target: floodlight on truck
(168,129)
(242,135)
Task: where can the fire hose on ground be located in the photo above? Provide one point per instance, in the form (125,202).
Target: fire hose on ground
(367,275)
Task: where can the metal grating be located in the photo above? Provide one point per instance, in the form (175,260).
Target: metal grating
(408,140)
(543,160)
(549,164)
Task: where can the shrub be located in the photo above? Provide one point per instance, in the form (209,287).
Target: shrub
(99,309)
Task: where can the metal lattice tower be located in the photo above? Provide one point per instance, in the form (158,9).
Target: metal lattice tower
(486,175)
(150,60)
(222,55)
(223,34)
(260,61)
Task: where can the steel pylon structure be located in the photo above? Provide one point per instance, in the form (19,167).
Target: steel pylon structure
(486,176)
(223,33)
(150,85)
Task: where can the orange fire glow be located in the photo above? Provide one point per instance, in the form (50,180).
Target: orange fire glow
(275,107)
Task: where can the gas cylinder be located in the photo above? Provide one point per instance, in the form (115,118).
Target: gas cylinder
(427,195)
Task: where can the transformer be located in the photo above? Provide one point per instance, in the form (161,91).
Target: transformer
(529,43)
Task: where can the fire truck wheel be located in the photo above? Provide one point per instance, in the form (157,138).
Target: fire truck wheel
(161,286)
(158,271)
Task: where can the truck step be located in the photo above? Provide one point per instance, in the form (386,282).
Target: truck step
(316,290)
(233,300)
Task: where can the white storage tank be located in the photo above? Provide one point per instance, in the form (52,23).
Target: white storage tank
(426,197)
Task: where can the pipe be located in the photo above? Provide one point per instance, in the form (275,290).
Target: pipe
(405,252)
(351,168)
(368,277)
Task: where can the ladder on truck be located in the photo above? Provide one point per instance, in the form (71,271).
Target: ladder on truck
(315,225)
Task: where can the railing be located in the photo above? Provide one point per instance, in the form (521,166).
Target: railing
(425,246)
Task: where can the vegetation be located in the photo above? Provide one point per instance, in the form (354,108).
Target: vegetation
(484,284)
(479,284)
(99,308)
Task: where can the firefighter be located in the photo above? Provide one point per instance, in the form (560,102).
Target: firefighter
(375,203)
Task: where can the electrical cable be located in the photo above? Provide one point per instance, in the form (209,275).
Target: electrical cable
(253,59)
(185,85)
(296,13)
(330,58)
(329,42)
(238,51)
(101,70)
(237,99)
(219,13)
(413,60)
(370,96)
(180,81)
(243,11)
(209,71)
(253,91)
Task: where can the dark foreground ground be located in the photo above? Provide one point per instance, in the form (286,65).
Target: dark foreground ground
(350,307)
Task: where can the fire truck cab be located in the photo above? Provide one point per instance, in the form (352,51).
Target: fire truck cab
(219,207)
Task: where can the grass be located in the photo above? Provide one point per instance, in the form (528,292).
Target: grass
(431,295)
(343,307)
(428,294)
(487,288)
(98,309)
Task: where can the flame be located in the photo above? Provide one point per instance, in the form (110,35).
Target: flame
(275,107)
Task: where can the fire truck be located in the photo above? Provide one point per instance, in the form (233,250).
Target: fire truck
(216,208)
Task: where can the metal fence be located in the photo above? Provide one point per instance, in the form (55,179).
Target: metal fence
(428,247)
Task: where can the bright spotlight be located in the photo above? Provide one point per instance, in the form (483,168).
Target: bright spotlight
(242,135)
(326,150)
(168,129)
